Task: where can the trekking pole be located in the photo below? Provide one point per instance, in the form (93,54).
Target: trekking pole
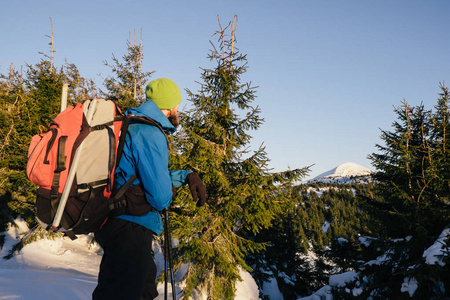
(166,267)
(71,175)
(168,249)
(172,279)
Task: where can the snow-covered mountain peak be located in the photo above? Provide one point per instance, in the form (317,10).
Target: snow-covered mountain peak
(345,170)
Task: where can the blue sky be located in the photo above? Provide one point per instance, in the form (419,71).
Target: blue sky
(329,72)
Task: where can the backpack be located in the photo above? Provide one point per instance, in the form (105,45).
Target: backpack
(73,162)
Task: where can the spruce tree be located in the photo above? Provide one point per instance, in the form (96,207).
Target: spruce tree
(412,194)
(27,99)
(439,148)
(403,174)
(243,195)
(79,88)
(127,82)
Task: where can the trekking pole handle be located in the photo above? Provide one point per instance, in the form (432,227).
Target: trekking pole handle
(72,171)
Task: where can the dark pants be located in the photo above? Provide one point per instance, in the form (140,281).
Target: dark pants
(128,269)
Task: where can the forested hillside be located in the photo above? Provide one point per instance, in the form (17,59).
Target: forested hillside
(315,236)
(382,231)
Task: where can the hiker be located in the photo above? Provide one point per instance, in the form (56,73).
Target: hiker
(128,269)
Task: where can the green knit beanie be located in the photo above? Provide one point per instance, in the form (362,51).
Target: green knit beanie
(164,92)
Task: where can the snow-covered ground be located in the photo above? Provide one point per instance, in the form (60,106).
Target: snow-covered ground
(65,269)
(433,255)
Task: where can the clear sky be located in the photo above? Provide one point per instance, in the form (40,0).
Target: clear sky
(329,72)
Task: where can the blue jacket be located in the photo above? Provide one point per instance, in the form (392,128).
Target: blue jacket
(145,152)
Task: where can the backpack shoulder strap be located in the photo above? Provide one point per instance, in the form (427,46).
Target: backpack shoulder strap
(123,132)
(114,205)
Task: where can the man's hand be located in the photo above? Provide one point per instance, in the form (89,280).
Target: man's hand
(198,189)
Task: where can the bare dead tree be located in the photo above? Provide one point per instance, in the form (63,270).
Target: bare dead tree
(52,38)
(51,51)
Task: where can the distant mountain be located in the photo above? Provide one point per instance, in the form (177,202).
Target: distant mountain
(344,173)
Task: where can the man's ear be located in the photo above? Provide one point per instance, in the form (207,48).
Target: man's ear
(166,112)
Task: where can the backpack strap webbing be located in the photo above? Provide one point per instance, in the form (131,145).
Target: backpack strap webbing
(60,166)
(84,186)
(70,234)
(50,144)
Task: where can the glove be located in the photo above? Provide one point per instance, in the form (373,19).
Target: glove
(198,189)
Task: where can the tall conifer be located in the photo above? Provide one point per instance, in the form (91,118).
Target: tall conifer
(412,192)
(243,195)
(127,82)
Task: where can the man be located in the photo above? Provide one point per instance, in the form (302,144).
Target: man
(128,269)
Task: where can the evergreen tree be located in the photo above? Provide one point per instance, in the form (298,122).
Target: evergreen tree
(409,175)
(412,194)
(127,83)
(79,88)
(281,260)
(438,193)
(27,99)
(243,195)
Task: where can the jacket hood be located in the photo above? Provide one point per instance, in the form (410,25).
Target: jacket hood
(149,109)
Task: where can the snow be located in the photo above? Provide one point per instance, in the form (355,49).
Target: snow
(319,191)
(379,260)
(247,289)
(66,269)
(437,249)
(326,226)
(365,240)
(339,280)
(409,286)
(344,173)
(347,169)
(342,241)
(48,269)
(271,289)
(323,293)
(432,255)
